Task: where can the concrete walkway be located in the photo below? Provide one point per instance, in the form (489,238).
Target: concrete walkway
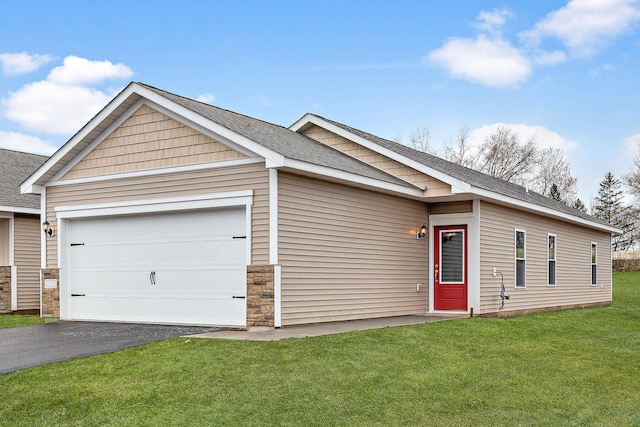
(318,329)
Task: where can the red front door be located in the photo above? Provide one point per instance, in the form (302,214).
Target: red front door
(450,267)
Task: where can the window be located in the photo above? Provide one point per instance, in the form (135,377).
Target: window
(521,254)
(594,263)
(551,255)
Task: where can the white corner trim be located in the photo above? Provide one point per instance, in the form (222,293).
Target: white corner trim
(14,287)
(205,201)
(457,186)
(358,179)
(43,236)
(152,172)
(273,216)
(277,295)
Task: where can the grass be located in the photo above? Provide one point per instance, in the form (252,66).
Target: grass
(18,320)
(576,367)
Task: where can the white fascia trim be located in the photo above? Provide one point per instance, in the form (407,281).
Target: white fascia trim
(205,123)
(31,189)
(14,209)
(457,186)
(273,216)
(151,172)
(350,177)
(544,210)
(30,183)
(205,201)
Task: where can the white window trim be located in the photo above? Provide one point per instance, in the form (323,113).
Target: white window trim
(555,258)
(516,259)
(591,263)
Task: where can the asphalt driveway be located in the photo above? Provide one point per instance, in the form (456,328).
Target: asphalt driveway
(22,348)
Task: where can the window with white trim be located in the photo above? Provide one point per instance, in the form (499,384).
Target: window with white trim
(551,258)
(521,254)
(594,263)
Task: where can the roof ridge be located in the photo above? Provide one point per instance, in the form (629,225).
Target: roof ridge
(24,152)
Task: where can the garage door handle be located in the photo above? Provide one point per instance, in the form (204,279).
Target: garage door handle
(152,277)
(78,295)
(238,297)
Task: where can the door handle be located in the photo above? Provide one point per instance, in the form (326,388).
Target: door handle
(152,277)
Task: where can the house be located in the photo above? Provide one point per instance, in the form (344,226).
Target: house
(168,210)
(19,234)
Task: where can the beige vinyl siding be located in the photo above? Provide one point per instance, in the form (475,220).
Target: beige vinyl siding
(432,186)
(573,261)
(238,178)
(348,253)
(27,260)
(4,242)
(150,140)
(451,207)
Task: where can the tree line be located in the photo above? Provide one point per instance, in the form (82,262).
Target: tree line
(504,154)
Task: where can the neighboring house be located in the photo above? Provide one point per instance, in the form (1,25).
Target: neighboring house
(19,234)
(169,210)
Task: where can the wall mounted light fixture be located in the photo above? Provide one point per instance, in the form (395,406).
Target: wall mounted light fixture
(48,230)
(422,232)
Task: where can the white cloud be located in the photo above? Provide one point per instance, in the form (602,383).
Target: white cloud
(492,62)
(544,137)
(14,64)
(549,58)
(26,143)
(81,71)
(632,146)
(66,100)
(206,98)
(585,26)
(491,22)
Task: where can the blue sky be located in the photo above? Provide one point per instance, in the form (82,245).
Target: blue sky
(566,71)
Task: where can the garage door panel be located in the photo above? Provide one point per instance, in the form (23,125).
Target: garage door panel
(199,268)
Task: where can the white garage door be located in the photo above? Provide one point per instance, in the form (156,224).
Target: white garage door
(175,268)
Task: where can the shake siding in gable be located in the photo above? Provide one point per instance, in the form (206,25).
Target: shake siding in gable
(150,140)
(239,178)
(27,260)
(348,253)
(432,186)
(573,262)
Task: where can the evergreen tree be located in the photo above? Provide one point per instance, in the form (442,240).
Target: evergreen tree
(554,193)
(579,205)
(608,206)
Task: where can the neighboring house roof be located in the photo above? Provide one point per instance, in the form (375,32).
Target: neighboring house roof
(15,167)
(479,183)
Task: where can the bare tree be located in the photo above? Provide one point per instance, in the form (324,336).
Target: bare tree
(554,168)
(419,139)
(462,153)
(503,155)
(632,179)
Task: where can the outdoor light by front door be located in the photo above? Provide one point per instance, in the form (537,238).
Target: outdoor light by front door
(48,230)
(422,232)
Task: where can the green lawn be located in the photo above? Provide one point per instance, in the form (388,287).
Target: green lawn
(577,367)
(16,321)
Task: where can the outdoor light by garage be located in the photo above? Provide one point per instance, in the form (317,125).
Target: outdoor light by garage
(48,230)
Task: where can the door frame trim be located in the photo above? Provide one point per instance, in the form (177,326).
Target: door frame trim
(472,221)
(465,257)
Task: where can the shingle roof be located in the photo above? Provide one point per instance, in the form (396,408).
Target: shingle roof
(15,167)
(281,140)
(470,176)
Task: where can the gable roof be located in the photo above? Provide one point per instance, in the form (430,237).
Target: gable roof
(15,167)
(280,146)
(478,183)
